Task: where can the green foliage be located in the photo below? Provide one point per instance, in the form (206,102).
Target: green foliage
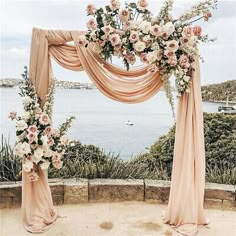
(220,145)
(10,165)
(220,92)
(88,161)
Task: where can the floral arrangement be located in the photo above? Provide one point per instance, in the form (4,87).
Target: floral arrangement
(166,45)
(38,144)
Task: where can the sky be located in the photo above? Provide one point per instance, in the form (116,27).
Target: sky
(18,17)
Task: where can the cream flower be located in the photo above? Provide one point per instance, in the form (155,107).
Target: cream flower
(45,165)
(27,166)
(152,56)
(145,27)
(169,28)
(82,41)
(21,125)
(57,164)
(12,115)
(64,140)
(25,148)
(139,46)
(27,100)
(38,154)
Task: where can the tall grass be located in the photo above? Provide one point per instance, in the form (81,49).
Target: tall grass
(10,165)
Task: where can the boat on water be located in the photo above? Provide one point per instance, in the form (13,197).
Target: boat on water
(130,123)
(227,109)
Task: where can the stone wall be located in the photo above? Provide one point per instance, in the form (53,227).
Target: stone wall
(74,191)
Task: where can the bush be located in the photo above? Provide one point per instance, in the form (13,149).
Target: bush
(220,145)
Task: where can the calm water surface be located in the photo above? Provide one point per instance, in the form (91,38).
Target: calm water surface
(100,120)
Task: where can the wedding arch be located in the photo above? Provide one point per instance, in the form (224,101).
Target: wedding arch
(185,207)
(90,48)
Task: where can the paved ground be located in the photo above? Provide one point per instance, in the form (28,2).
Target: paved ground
(116,219)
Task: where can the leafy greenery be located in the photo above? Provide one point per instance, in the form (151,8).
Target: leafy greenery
(88,161)
(220,92)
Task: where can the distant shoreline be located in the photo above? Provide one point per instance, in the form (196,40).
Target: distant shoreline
(223,102)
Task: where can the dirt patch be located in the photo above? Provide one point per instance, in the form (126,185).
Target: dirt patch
(167,233)
(106,225)
(148,226)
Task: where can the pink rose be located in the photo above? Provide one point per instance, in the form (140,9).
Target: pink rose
(130,58)
(164,35)
(56,156)
(107,29)
(50,141)
(172,45)
(207,15)
(142,5)
(32,129)
(126,25)
(184,61)
(143,57)
(124,15)
(115,39)
(134,37)
(114,5)
(33,176)
(153,68)
(48,130)
(92,24)
(44,119)
(91,9)
(82,41)
(197,30)
(172,61)
(155,30)
(12,115)
(57,164)
(184,40)
(187,31)
(64,140)
(169,53)
(32,137)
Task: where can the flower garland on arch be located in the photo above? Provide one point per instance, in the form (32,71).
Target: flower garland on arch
(38,143)
(165,44)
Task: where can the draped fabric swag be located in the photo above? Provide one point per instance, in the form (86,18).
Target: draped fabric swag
(185,207)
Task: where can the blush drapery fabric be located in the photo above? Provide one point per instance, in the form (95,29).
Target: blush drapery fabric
(185,208)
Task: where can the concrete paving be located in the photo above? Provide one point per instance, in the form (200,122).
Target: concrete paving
(116,219)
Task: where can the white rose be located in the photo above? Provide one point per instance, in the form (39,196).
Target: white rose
(45,165)
(25,148)
(169,28)
(186,78)
(27,166)
(27,100)
(26,116)
(38,153)
(21,125)
(145,27)
(139,46)
(152,56)
(44,139)
(17,150)
(172,45)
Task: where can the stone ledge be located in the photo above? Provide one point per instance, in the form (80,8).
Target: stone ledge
(105,190)
(74,191)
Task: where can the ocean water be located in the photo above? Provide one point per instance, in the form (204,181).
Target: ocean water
(101,121)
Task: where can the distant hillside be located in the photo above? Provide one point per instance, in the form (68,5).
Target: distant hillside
(220,92)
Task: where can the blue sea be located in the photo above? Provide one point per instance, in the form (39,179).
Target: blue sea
(101,121)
